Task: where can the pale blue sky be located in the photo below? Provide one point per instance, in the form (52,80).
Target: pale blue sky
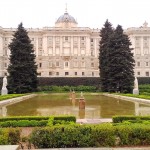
(89,13)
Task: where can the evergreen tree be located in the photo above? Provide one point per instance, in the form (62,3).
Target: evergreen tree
(105,34)
(22,70)
(121,68)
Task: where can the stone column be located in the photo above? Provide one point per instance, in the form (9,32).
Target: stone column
(142,53)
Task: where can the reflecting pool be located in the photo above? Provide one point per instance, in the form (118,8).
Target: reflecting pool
(96,106)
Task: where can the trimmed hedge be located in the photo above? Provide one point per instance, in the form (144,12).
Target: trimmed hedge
(120,119)
(17,118)
(69,81)
(57,120)
(67,88)
(143,80)
(75,81)
(144,89)
(29,121)
(73,136)
(24,123)
(103,135)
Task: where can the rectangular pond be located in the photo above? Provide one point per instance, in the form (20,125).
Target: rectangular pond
(96,106)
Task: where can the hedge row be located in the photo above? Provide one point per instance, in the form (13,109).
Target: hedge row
(57,120)
(17,118)
(69,81)
(79,88)
(36,121)
(144,89)
(76,81)
(143,80)
(9,136)
(120,119)
(24,123)
(104,135)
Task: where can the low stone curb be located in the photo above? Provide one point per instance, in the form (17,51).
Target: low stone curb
(132,99)
(15,100)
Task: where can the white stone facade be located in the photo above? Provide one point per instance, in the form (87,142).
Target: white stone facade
(67,50)
(140,39)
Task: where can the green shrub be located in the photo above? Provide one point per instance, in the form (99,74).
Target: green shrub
(119,119)
(103,135)
(14,136)
(3,136)
(36,121)
(69,81)
(67,88)
(23,123)
(74,136)
(57,120)
(9,136)
(38,118)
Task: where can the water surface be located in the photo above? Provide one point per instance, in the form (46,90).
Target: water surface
(96,106)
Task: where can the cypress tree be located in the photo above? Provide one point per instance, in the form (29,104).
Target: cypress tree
(121,69)
(22,77)
(105,34)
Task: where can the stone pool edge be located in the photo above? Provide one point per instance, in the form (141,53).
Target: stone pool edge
(15,100)
(126,98)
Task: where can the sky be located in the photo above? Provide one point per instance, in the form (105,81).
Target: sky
(88,13)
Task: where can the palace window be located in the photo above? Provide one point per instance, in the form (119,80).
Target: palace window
(82,64)
(5,65)
(50,64)
(82,38)
(75,73)
(75,64)
(66,73)
(92,64)
(66,64)
(57,64)
(66,38)
(83,73)
(57,38)
(92,74)
(138,63)
(50,73)
(147,74)
(91,40)
(146,64)
(40,65)
(57,73)
(138,73)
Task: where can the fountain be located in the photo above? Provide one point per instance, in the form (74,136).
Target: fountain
(81,102)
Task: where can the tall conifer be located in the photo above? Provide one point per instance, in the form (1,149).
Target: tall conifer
(22,77)
(121,69)
(105,34)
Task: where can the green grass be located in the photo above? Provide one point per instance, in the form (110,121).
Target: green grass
(8,96)
(136,96)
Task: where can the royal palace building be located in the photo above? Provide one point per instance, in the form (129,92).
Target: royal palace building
(67,50)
